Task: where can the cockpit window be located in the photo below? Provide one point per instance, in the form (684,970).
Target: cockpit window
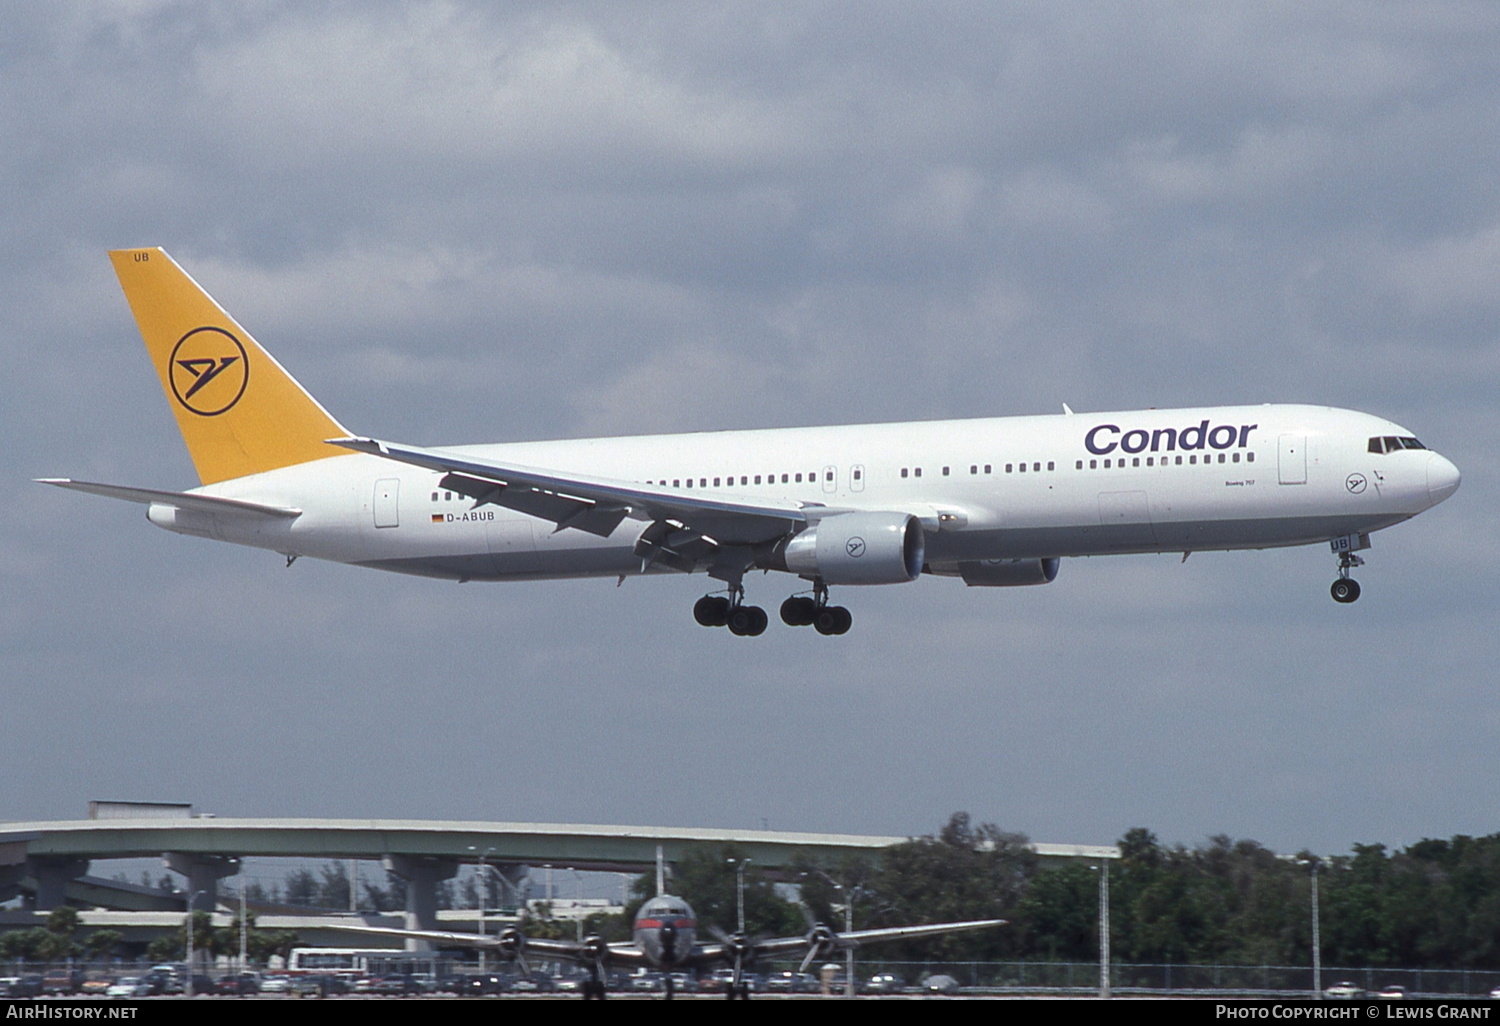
(1391,443)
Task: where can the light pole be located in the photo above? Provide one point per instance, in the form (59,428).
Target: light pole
(483,887)
(739,889)
(850,894)
(244,927)
(1313,863)
(1103,870)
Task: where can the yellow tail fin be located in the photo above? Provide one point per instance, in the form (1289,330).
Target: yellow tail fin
(239,412)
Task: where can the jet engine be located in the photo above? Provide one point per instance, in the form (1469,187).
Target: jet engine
(1008,573)
(858,548)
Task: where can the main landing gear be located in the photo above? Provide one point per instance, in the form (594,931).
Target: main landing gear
(730,611)
(802,611)
(750,621)
(1346,588)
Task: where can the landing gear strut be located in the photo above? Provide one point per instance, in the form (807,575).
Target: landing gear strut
(802,611)
(1346,588)
(730,611)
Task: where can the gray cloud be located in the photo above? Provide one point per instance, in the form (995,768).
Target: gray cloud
(455,222)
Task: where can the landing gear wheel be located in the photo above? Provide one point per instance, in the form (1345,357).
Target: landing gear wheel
(833,620)
(711,611)
(1345,589)
(748,621)
(798,611)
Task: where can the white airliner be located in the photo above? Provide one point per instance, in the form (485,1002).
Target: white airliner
(995,502)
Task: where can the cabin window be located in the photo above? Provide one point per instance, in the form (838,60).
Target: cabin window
(859,475)
(903,471)
(945,471)
(918,472)
(1010,468)
(973,468)
(987,468)
(1051,465)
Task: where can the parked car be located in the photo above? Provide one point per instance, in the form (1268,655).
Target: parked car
(940,983)
(884,983)
(129,986)
(319,986)
(21,986)
(238,983)
(95,984)
(62,981)
(1344,990)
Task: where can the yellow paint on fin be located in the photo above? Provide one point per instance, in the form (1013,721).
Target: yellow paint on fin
(239,412)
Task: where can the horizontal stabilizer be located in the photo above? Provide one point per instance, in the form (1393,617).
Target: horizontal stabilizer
(181,500)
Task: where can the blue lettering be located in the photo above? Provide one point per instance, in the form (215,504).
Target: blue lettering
(1214,435)
(1200,435)
(1106,438)
(1097,450)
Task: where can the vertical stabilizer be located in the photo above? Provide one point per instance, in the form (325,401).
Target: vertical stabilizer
(239,412)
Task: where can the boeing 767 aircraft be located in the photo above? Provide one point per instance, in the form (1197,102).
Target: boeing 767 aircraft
(995,502)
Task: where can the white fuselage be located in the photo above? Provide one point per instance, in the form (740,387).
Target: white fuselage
(995,489)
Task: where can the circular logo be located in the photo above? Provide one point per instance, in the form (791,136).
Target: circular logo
(855,547)
(1355,483)
(209,371)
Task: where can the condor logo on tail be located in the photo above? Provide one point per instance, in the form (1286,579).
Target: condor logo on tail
(210,361)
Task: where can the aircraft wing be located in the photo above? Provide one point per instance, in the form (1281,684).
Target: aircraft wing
(826,940)
(686,527)
(621,953)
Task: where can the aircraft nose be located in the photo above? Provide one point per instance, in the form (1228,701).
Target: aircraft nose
(1442,478)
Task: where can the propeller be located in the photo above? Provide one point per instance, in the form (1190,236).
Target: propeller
(739,949)
(594,950)
(513,947)
(820,942)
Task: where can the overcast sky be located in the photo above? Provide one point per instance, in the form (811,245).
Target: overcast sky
(476,222)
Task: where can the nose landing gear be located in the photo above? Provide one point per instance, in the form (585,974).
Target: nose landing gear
(1346,588)
(815,612)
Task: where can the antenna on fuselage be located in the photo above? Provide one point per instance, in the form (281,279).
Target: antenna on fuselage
(661,873)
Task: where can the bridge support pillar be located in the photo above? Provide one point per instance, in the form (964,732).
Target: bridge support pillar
(203,874)
(422,875)
(52,877)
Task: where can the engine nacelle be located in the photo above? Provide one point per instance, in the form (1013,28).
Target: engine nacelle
(859,548)
(512,943)
(1008,573)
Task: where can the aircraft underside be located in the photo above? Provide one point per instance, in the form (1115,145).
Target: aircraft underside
(944,551)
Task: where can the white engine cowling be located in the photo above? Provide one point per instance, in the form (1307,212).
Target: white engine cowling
(859,548)
(1008,573)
